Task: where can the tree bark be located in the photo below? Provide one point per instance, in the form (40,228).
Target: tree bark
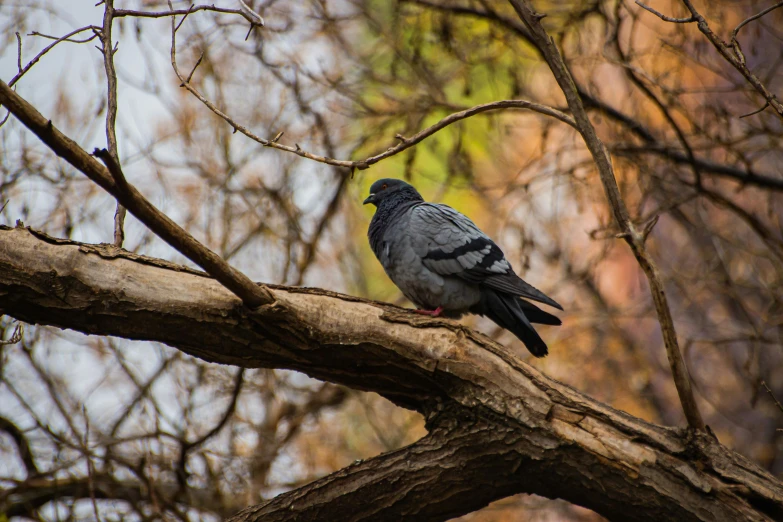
(496,425)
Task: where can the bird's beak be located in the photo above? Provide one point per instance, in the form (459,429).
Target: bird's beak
(370,199)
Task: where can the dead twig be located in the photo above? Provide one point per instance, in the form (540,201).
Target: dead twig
(665,18)
(775,399)
(763,107)
(247,13)
(66,38)
(756,16)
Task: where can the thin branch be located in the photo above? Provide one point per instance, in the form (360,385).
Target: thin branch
(187,447)
(769,391)
(108,50)
(404,143)
(649,227)
(238,381)
(629,231)
(664,17)
(247,13)
(18,52)
(251,294)
(756,16)
(757,111)
(115,170)
(66,38)
(775,399)
(192,71)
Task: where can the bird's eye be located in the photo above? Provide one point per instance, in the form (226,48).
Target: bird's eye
(384,186)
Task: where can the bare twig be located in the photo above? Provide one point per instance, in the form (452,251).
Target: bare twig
(649,227)
(775,399)
(664,17)
(18,52)
(238,382)
(251,294)
(634,77)
(756,16)
(761,109)
(629,232)
(192,71)
(769,391)
(245,11)
(252,15)
(66,38)
(186,447)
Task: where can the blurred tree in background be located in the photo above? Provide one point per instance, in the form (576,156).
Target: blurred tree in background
(107,428)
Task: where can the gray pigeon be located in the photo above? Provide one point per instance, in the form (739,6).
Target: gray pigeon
(446,266)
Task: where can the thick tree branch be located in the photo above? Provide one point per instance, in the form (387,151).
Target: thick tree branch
(634,237)
(251,294)
(513,429)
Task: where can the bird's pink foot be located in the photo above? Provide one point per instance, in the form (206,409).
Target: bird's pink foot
(433,313)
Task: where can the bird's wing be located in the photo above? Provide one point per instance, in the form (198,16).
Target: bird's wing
(451,244)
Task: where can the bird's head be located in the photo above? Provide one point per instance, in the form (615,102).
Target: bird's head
(389,187)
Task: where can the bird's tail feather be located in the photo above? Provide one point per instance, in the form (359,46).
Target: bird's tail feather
(507,312)
(536,315)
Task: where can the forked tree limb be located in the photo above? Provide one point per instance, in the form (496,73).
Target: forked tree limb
(113,182)
(497,426)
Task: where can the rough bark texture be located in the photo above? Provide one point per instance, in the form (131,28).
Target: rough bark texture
(497,426)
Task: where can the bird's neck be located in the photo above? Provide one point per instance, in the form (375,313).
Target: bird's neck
(391,207)
(388,210)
